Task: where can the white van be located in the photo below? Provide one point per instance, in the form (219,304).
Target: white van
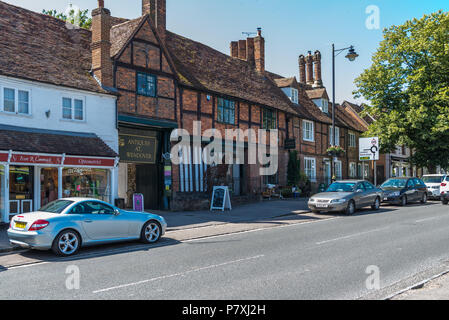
(445,190)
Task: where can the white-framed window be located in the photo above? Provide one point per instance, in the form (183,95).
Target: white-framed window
(308,130)
(14,100)
(73,109)
(294,95)
(337,136)
(353,170)
(324,105)
(338,169)
(310,168)
(352,141)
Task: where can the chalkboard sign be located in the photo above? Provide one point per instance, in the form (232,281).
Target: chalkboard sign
(221,199)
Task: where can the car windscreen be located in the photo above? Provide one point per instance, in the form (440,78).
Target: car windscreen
(394,183)
(57,206)
(341,187)
(432,179)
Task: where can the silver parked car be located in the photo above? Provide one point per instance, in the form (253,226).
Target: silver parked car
(67,224)
(347,196)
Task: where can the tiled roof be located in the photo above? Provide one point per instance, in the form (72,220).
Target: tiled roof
(53,142)
(121,33)
(285,82)
(204,68)
(317,93)
(38,47)
(345,118)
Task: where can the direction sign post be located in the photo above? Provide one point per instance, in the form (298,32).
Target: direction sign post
(369,150)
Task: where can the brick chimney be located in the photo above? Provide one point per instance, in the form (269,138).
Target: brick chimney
(302,69)
(309,67)
(317,69)
(101,45)
(242,49)
(234,49)
(250,51)
(157,9)
(259,51)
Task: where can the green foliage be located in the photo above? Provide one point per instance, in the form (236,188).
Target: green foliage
(408,87)
(335,151)
(293,169)
(78,18)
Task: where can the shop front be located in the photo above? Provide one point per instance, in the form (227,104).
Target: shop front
(29,181)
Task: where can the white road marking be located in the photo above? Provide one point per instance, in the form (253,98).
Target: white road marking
(430,219)
(181,274)
(351,236)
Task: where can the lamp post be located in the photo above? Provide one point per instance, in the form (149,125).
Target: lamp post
(351,56)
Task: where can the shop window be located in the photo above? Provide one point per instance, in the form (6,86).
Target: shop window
(49,185)
(86,183)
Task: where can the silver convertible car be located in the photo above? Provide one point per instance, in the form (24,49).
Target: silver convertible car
(67,224)
(347,196)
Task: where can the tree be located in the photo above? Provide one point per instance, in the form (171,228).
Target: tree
(408,87)
(76,17)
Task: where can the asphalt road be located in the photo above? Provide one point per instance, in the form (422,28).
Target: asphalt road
(327,259)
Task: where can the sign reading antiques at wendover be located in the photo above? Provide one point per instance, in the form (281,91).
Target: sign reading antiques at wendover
(137,146)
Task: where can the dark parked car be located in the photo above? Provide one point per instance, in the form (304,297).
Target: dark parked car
(404,190)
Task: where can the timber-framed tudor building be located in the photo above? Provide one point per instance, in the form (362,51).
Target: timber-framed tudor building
(154,81)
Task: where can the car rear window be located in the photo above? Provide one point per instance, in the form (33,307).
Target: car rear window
(57,206)
(433,179)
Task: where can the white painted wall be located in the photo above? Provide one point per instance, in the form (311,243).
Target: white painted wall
(100,111)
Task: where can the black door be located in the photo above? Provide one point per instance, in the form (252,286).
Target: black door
(380,174)
(148,183)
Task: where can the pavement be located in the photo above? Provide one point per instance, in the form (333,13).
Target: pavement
(222,222)
(371,255)
(434,289)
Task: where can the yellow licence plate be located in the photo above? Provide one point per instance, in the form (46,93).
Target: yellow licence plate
(21,225)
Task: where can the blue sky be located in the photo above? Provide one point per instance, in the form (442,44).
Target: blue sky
(290,27)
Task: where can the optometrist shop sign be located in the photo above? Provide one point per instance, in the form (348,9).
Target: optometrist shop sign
(369,149)
(137,146)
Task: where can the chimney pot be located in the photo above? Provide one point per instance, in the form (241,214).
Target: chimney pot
(100,3)
(317,69)
(302,69)
(309,68)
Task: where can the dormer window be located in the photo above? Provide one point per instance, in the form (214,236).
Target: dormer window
(324,105)
(294,96)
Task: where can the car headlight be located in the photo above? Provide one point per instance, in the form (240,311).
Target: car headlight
(339,201)
(311,200)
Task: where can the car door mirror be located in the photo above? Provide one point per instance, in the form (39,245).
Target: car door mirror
(116,212)
(359,191)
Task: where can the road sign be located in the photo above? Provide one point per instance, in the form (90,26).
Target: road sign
(369,149)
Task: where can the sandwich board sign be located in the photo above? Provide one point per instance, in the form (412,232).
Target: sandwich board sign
(221,199)
(138,202)
(369,149)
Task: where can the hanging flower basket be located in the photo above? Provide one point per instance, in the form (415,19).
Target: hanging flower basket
(336,151)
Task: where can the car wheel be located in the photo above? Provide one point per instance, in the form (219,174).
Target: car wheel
(424,198)
(404,201)
(66,243)
(151,232)
(350,210)
(376,204)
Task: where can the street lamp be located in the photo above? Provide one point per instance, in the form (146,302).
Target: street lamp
(351,56)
